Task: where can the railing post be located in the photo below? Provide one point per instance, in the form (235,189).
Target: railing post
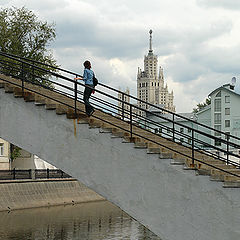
(61,173)
(75,100)
(131,120)
(33,173)
(227,149)
(30,173)
(47,173)
(193,148)
(173,130)
(32,73)
(14,173)
(123,106)
(22,78)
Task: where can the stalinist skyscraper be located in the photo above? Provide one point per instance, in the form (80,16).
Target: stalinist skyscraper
(150,83)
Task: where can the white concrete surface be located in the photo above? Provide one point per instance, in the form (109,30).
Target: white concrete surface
(173,203)
(22,194)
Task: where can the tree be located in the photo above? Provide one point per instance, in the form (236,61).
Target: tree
(200,106)
(15,152)
(24,35)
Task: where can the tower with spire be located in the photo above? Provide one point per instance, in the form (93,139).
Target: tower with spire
(150,83)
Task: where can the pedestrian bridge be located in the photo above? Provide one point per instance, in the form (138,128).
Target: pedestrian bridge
(175,191)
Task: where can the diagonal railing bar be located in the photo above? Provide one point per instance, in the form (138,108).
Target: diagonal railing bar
(131,118)
(125,94)
(201,161)
(172,149)
(138,107)
(118,91)
(180,124)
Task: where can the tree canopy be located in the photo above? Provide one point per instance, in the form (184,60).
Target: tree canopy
(23,34)
(200,106)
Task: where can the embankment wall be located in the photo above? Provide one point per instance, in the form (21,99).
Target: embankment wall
(21,194)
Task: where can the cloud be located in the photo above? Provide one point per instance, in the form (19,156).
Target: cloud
(107,41)
(221,59)
(181,69)
(196,40)
(37,5)
(226,4)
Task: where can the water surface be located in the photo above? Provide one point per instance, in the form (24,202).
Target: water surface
(88,221)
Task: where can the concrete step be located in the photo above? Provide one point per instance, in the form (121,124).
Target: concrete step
(202,165)
(28,96)
(190,167)
(72,115)
(2,84)
(229,184)
(8,88)
(18,93)
(146,140)
(105,130)
(140,146)
(39,100)
(204,172)
(165,155)
(60,109)
(153,150)
(217,178)
(231,178)
(50,104)
(95,123)
(177,162)
(116,133)
(220,174)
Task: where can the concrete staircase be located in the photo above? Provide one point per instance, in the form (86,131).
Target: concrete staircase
(149,180)
(142,139)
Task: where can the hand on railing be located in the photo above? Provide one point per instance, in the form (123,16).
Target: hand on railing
(78,78)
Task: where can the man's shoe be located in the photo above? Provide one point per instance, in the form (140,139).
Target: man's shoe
(91,113)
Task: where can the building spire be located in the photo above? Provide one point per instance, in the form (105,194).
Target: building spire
(150,41)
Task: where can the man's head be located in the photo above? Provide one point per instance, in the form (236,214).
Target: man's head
(87,64)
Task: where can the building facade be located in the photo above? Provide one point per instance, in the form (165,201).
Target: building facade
(25,160)
(150,83)
(124,108)
(221,114)
(4,155)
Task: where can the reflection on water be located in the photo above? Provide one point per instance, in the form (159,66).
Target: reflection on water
(88,221)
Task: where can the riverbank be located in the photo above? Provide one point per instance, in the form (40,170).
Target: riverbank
(94,220)
(23,194)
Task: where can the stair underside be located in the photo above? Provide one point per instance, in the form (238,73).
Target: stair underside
(154,144)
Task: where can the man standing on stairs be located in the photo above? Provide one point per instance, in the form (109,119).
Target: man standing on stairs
(88,79)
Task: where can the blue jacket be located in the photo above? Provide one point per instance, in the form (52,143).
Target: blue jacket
(88,76)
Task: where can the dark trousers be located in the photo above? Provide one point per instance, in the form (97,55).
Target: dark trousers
(86,95)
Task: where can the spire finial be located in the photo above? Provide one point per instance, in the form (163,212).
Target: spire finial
(150,42)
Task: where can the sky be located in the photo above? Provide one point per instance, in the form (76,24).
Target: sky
(197,41)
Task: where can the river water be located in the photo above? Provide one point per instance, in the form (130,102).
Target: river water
(87,221)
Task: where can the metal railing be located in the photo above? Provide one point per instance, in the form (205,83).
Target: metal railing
(17,174)
(173,127)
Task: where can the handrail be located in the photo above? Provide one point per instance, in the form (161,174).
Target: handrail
(130,117)
(167,119)
(18,174)
(125,94)
(170,120)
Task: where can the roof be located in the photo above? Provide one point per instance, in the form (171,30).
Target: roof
(190,116)
(224,88)
(204,109)
(156,109)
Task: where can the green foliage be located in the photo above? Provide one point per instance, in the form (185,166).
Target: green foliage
(15,152)
(200,106)
(22,34)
